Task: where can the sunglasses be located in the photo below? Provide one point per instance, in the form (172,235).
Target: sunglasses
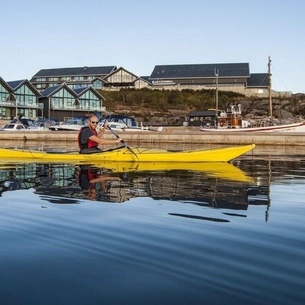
(93,122)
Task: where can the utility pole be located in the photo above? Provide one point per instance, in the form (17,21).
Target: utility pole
(270,84)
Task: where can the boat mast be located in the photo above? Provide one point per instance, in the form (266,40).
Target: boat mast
(216,72)
(216,93)
(269,88)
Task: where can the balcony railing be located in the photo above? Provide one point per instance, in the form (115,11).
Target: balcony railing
(78,107)
(12,104)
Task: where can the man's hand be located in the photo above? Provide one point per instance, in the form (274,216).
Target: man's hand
(119,140)
(103,127)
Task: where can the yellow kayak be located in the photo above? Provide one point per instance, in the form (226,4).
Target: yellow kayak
(134,154)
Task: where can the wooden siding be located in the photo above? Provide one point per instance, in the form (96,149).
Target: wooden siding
(121,76)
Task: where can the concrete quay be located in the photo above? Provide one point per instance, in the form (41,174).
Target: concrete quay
(175,135)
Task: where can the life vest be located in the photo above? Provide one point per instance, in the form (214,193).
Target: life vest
(89,143)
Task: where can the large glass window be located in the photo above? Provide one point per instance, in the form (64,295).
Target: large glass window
(98,84)
(90,101)
(78,78)
(25,97)
(57,103)
(3,94)
(39,79)
(53,79)
(63,100)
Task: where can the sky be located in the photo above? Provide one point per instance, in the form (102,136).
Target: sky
(138,35)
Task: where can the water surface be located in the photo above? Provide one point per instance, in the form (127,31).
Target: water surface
(231,236)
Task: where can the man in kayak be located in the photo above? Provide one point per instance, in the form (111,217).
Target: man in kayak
(89,138)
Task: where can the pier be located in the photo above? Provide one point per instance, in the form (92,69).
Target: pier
(182,135)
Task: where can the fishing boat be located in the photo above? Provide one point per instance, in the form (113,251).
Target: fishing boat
(128,154)
(293,127)
(231,120)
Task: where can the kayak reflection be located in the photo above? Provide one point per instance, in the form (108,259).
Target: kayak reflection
(220,185)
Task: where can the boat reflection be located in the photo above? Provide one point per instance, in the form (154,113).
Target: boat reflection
(217,185)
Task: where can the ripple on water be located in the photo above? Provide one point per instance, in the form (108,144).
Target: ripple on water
(149,251)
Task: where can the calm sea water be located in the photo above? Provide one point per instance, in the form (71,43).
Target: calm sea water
(222,235)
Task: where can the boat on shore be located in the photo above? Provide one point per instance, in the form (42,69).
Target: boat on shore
(119,122)
(292,127)
(14,127)
(128,154)
(122,127)
(115,122)
(22,124)
(19,127)
(73,124)
(232,119)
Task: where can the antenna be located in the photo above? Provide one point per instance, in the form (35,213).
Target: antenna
(269,88)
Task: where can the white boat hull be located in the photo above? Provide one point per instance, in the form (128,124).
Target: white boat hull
(64,127)
(294,127)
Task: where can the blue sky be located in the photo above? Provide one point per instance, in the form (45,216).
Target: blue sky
(138,34)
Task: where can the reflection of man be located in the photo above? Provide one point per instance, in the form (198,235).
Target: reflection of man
(97,185)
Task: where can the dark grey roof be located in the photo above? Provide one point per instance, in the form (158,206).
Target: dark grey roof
(258,80)
(14,84)
(75,71)
(50,90)
(82,90)
(200,71)
(146,78)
